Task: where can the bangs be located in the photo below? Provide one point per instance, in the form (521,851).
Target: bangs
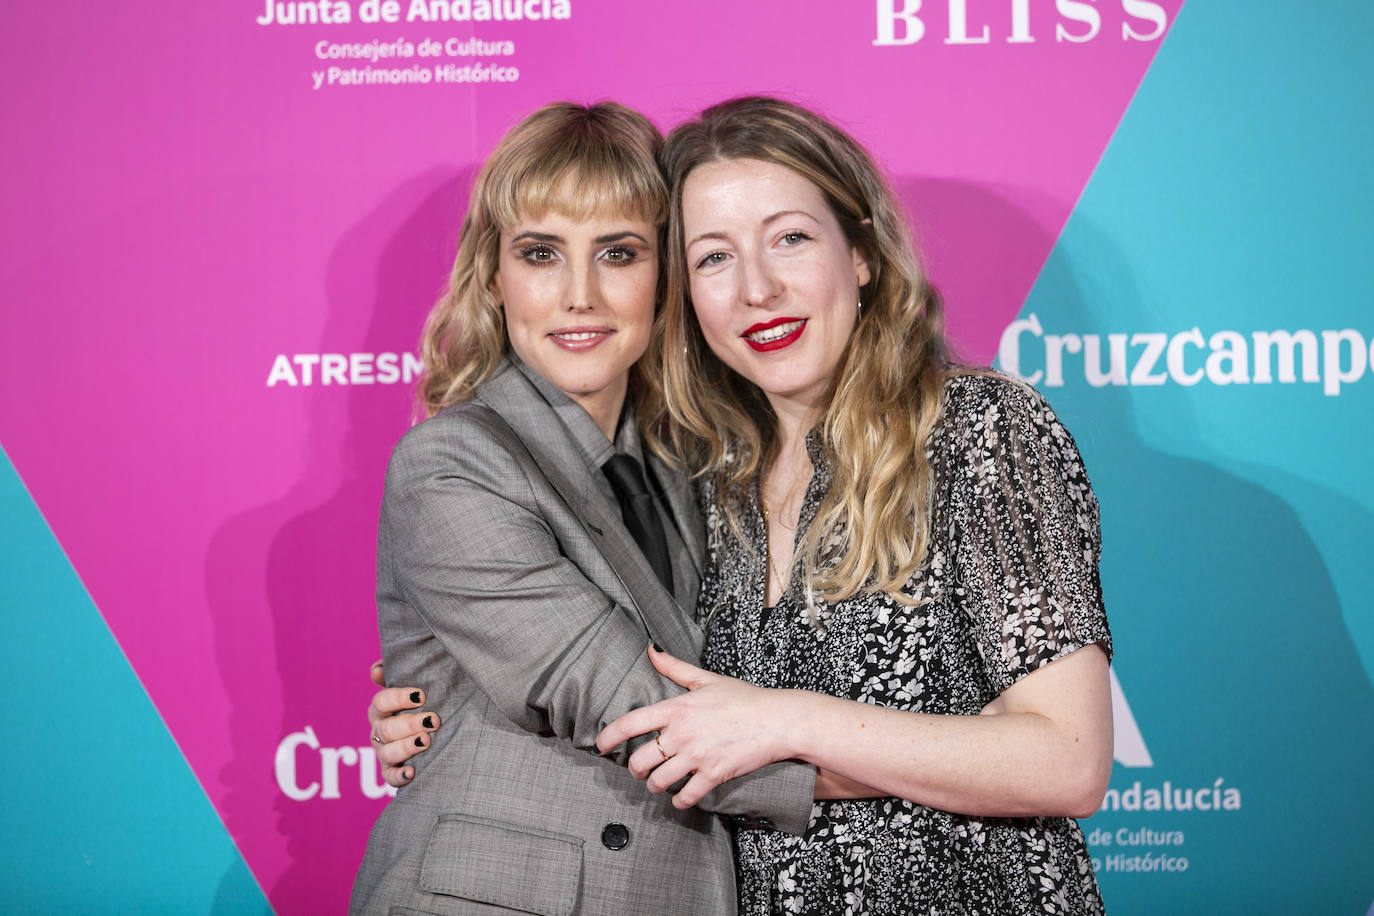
(580,178)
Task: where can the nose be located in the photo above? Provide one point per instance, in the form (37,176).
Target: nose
(761,283)
(583,293)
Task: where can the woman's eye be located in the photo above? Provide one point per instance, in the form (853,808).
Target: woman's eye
(711,260)
(794,238)
(620,254)
(538,254)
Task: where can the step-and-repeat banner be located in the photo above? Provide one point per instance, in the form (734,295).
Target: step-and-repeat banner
(224,223)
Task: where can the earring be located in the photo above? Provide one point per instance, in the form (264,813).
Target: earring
(861,305)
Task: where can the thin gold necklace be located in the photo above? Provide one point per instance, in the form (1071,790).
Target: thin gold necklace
(768,557)
(767,540)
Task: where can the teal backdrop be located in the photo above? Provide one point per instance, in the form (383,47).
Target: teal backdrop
(1238,519)
(103,810)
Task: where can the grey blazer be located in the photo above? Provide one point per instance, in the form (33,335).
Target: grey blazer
(508,587)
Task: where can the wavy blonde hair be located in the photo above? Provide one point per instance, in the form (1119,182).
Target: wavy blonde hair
(570,159)
(872,530)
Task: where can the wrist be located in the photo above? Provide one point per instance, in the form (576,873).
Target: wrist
(792,723)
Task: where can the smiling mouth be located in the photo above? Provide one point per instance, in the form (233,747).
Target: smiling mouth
(774,335)
(577,340)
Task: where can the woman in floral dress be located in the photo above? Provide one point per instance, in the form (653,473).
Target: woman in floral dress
(902,587)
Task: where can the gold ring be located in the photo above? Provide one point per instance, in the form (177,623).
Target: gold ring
(376,740)
(659,745)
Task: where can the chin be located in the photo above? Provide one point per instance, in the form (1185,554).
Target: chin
(789,387)
(581,383)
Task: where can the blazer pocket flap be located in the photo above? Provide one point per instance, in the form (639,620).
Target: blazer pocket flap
(522,868)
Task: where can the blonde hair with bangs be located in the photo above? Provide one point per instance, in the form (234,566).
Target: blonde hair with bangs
(871,531)
(575,160)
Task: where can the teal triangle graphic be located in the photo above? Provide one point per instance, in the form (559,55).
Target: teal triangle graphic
(103,813)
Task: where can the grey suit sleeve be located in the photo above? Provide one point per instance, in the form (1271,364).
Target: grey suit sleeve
(779,794)
(471,554)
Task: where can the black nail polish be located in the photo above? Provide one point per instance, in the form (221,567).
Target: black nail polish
(419,742)
(415,696)
(428,721)
(657,647)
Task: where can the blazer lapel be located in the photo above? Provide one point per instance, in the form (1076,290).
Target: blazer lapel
(540,430)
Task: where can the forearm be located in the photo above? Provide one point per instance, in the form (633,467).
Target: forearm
(831,786)
(471,565)
(1010,765)
(1042,748)
(567,680)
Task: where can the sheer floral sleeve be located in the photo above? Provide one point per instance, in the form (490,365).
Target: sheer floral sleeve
(1024,523)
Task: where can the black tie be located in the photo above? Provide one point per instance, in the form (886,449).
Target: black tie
(640,515)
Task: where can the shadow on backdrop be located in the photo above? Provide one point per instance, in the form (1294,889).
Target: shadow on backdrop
(1230,641)
(291,583)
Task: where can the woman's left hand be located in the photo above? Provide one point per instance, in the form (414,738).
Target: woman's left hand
(398,733)
(720,729)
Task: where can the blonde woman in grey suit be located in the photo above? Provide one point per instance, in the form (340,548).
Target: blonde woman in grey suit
(510,587)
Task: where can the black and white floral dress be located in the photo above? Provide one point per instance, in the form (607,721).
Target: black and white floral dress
(1011,584)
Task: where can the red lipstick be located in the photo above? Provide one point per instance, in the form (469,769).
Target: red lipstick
(777,334)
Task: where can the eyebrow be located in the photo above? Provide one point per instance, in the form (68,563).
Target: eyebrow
(599,240)
(769,219)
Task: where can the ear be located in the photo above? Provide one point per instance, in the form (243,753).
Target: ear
(494,289)
(861,270)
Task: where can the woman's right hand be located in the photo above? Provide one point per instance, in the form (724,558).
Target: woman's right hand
(397,734)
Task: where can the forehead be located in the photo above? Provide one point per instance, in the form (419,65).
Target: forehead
(748,189)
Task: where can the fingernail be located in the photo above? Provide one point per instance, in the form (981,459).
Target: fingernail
(428,721)
(415,696)
(410,774)
(657,647)
(419,742)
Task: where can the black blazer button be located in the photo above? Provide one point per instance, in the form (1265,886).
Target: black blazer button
(615,836)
